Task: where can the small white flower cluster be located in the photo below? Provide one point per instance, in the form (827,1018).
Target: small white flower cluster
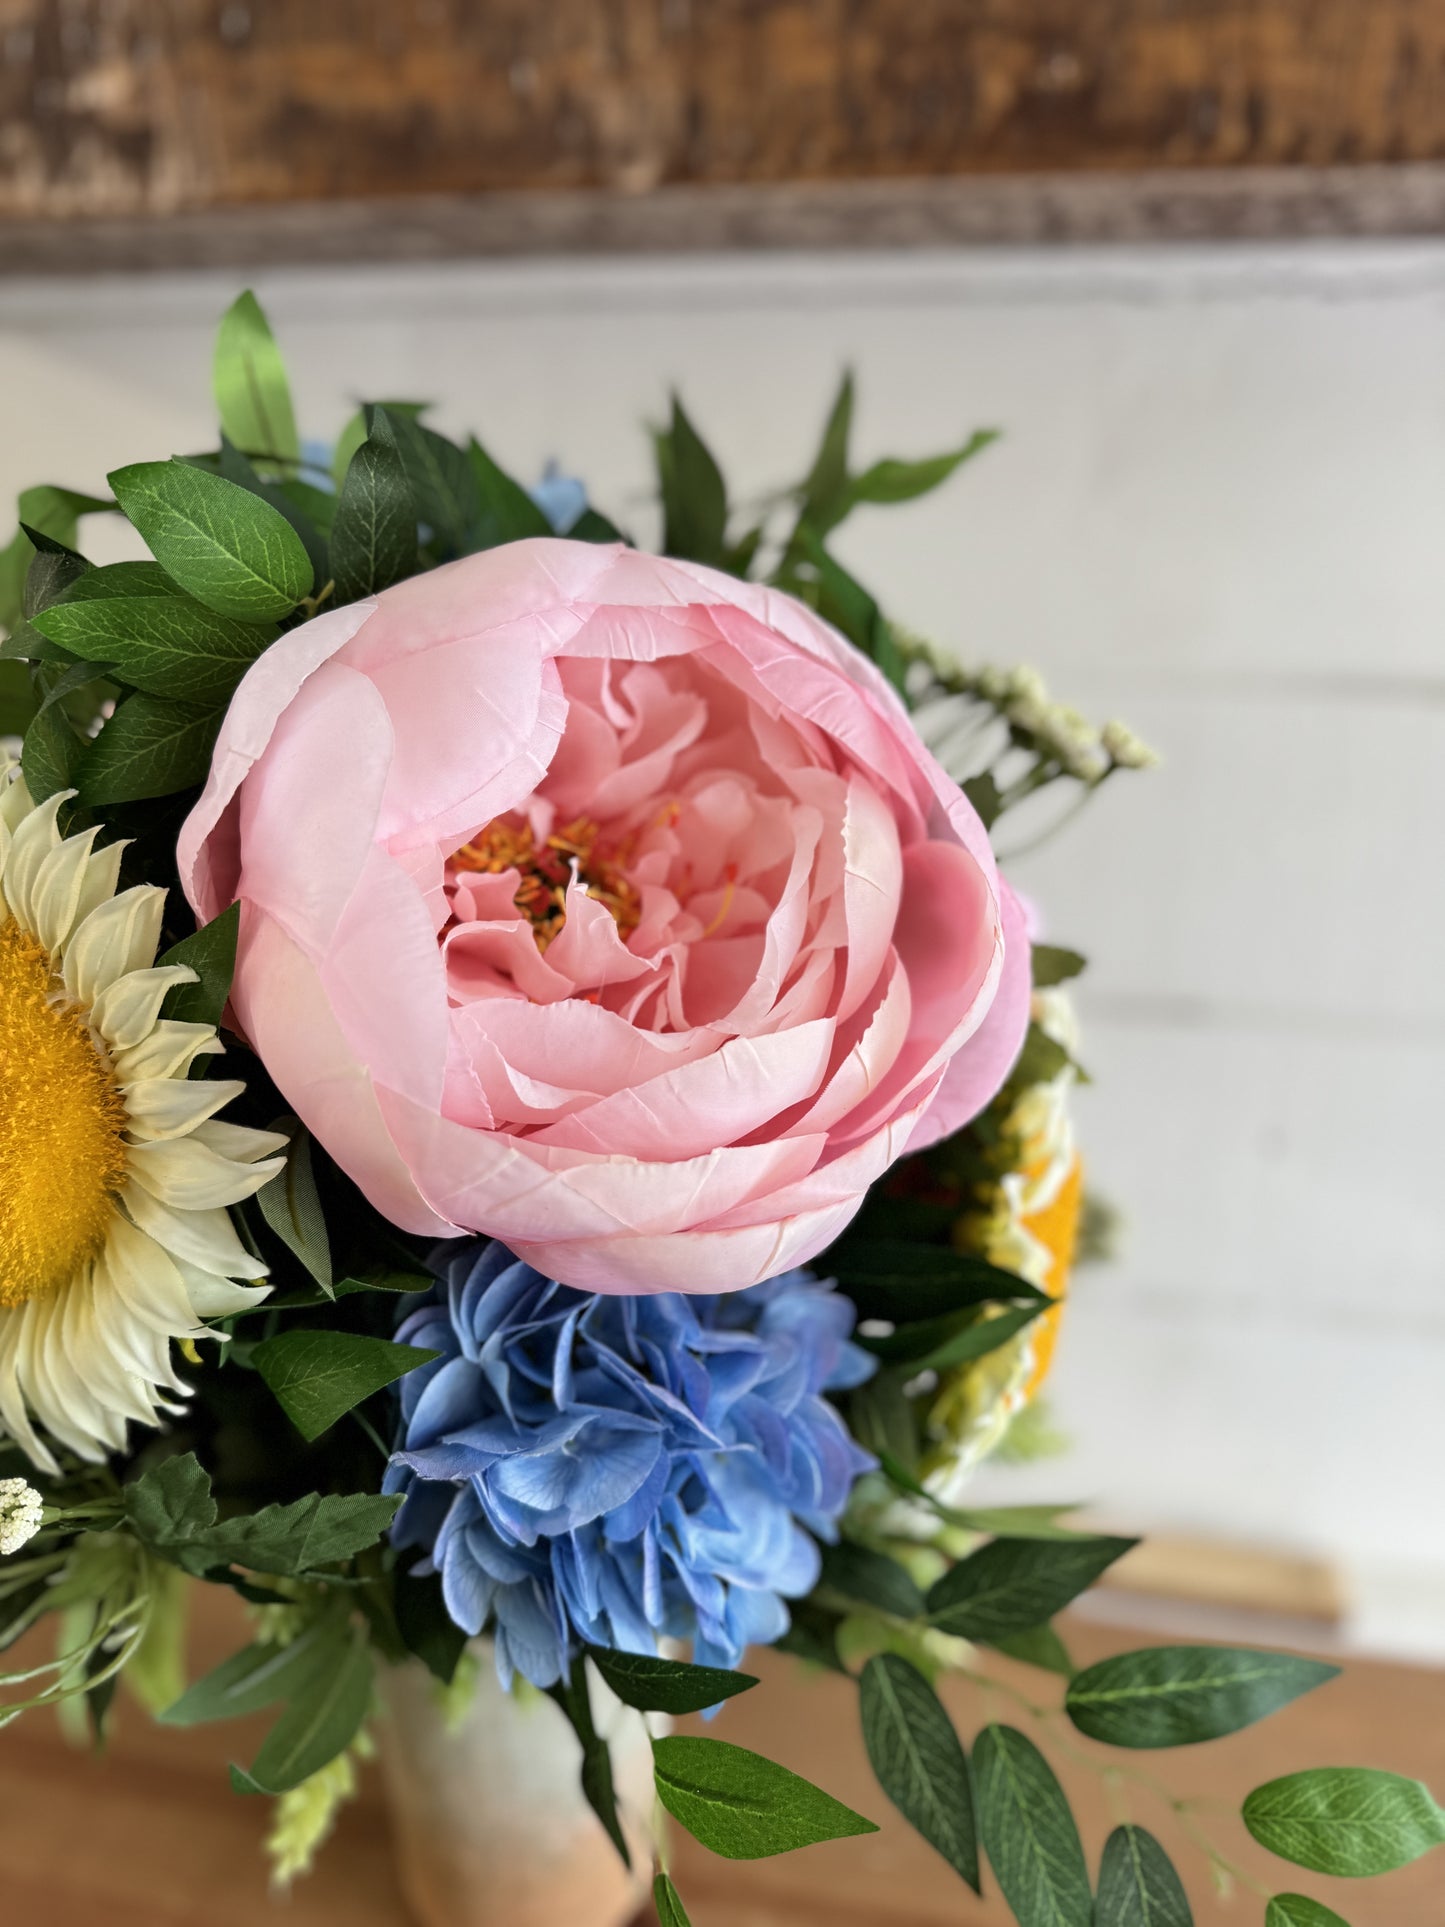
(1127,750)
(20,1508)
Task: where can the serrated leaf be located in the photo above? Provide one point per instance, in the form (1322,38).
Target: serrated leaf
(318,1376)
(1181,1695)
(1351,1821)
(227,547)
(323,1714)
(51,754)
(1029,1833)
(291,1205)
(1053,964)
(666,1685)
(666,1904)
(151,746)
(694,495)
(157,638)
(1138,1886)
(871,1578)
(211,953)
(251,389)
(374,533)
(508,513)
(290,1539)
(740,1805)
(918,1760)
(1013,1584)
(169,1505)
(1297,1910)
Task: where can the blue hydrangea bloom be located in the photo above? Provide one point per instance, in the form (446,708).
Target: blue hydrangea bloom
(561,498)
(616,1470)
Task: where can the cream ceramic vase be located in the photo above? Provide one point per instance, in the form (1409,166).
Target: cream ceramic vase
(490,1824)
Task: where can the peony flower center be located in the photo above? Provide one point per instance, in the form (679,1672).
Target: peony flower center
(545,869)
(62,1119)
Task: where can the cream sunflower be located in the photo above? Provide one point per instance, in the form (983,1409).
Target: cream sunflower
(114,1172)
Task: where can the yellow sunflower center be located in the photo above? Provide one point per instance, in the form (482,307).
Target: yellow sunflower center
(62,1153)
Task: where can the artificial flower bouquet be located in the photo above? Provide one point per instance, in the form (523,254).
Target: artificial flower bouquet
(532,1127)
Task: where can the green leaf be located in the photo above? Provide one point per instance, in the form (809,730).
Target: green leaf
(169,1505)
(508,513)
(157,637)
(1013,1584)
(742,1806)
(1180,1695)
(51,755)
(256,1677)
(296,1538)
(18,701)
(51,511)
(1029,1833)
(872,1578)
(426,1627)
(323,1714)
(824,500)
(666,1685)
(373,536)
(895,481)
(940,1344)
(1037,1646)
(54,568)
(211,953)
(282,496)
(318,1376)
(291,1205)
(1351,1821)
(839,598)
(441,479)
(1138,1886)
(574,1697)
(986,797)
(694,495)
(224,545)
(918,1760)
(1296,1910)
(666,1905)
(151,746)
(1052,964)
(358,428)
(1007,1521)
(903,1280)
(249,378)
(592,527)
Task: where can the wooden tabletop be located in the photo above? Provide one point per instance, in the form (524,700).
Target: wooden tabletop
(151,1835)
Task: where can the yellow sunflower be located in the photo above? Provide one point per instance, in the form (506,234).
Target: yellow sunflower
(114,1172)
(1032,1230)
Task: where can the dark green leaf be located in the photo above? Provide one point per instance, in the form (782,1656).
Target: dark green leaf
(1138,1886)
(151,746)
(171,1503)
(1351,1821)
(296,1538)
(426,1627)
(940,1344)
(1037,1646)
(694,496)
(1013,1584)
(249,377)
(158,639)
(54,569)
(872,1579)
(74,676)
(986,797)
(824,499)
(895,481)
(574,1697)
(666,1905)
(227,547)
(51,755)
(1041,1059)
(742,1806)
(1295,1910)
(318,1376)
(1180,1695)
(1052,964)
(291,1206)
(374,535)
(282,497)
(838,597)
(508,513)
(1029,1833)
(903,1280)
(441,479)
(357,429)
(666,1685)
(812,1636)
(323,1714)
(51,511)
(918,1760)
(211,953)
(592,527)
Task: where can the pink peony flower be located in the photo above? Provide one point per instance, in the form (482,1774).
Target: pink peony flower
(607,905)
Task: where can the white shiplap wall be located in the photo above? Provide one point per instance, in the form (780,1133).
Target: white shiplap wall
(1218,511)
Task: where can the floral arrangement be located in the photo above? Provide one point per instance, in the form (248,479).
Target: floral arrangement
(647,1188)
